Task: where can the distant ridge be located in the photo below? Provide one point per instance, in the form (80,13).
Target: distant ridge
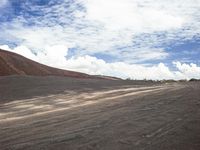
(15,64)
(107,77)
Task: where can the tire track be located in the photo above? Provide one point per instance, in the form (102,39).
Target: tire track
(44,105)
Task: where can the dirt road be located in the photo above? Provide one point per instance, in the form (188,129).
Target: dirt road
(160,117)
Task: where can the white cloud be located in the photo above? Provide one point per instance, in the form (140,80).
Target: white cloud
(123,14)
(92,65)
(189,70)
(22,50)
(106,26)
(47,56)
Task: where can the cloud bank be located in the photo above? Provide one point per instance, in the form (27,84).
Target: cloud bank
(92,65)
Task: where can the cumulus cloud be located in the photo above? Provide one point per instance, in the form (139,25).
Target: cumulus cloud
(188,70)
(47,56)
(92,65)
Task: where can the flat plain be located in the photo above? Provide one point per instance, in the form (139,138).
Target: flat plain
(59,113)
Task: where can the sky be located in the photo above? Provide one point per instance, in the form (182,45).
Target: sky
(137,39)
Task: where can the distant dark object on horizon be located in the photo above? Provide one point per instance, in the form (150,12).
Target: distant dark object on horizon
(194,80)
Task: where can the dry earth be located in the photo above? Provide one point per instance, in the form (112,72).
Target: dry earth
(54,113)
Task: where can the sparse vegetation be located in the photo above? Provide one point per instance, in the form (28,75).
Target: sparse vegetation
(193,80)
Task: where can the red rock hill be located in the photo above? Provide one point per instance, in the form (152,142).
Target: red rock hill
(14,64)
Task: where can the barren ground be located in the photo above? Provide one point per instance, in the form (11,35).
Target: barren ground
(54,113)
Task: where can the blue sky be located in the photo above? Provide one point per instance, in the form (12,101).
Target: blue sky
(125,38)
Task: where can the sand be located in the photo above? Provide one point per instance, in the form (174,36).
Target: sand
(38,113)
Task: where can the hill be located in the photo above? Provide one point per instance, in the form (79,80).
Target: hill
(14,64)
